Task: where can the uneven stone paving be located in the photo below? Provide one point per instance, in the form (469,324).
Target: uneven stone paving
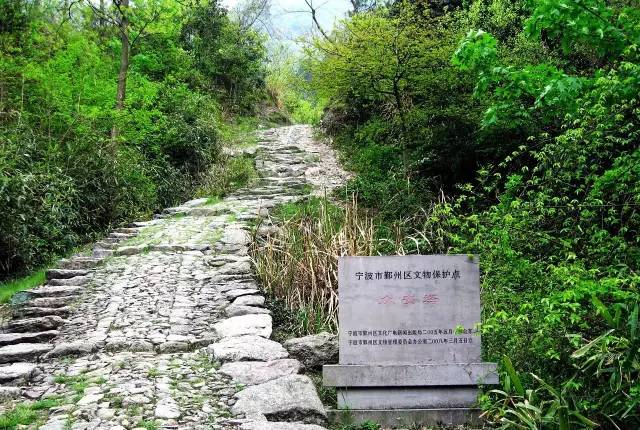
(164,322)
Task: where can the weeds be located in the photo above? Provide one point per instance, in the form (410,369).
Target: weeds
(77,383)
(148,425)
(328,395)
(299,265)
(25,414)
(8,289)
(228,175)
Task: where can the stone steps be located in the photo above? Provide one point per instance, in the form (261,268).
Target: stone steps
(55,291)
(13,338)
(76,281)
(23,352)
(17,373)
(80,262)
(27,325)
(157,308)
(32,311)
(26,338)
(65,273)
(128,230)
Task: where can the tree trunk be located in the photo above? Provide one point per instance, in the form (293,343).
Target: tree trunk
(102,23)
(403,124)
(124,64)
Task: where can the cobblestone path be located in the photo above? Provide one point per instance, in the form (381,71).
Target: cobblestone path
(163,326)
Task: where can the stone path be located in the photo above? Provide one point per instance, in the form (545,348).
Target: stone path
(163,326)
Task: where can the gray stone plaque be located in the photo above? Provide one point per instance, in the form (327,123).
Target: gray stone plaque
(417,309)
(409,339)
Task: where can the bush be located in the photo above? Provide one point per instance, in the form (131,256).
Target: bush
(63,180)
(299,264)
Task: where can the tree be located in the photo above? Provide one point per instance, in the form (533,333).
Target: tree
(229,56)
(378,59)
(131,22)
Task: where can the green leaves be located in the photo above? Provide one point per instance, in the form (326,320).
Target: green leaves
(476,52)
(513,379)
(578,22)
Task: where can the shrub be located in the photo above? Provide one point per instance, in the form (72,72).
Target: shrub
(299,264)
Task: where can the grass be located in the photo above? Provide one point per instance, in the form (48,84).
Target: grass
(24,414)
(239,133)
(231,173)
(226,176)
(146,236)
(328,395)
(299,265)
(9,288)
(148,425)
(77,383)
(115,401)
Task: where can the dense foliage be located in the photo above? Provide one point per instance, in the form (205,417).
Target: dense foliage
(523,118)
(72,161)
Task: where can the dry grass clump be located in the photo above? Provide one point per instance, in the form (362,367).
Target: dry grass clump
(299,263)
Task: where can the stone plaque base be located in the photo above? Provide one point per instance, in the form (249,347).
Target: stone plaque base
(407,398)
(402,395)
(405,418)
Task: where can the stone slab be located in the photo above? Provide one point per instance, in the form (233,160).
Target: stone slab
(35,324)
(234,310)
(409,418)
(76,281)
(51,302)
(15,371)
(249,300)
(23,351)
(239,292)
(251,324)
(409,375)
(290,398)
(416,309)
(12,338)
(77,347)
(54,291)
(314,350)
(247,348)
(65,273)
(79,263)
(32,311)
(9,393)
(259,372)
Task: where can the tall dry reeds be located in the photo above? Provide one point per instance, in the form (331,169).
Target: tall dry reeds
(299,263)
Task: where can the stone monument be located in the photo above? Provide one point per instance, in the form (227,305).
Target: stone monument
(409,340)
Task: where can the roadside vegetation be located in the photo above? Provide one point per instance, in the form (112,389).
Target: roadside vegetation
(504,129)
(109,113)
(9,288)
(24,414)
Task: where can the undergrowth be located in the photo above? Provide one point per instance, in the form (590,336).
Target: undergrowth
(299,264)
(24,414)
(9,288)
(229,174)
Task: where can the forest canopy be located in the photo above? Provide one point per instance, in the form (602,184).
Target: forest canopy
(110,111)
